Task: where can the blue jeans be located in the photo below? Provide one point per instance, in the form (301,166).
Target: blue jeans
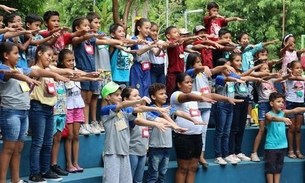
(240,112)
(157,74)
(137,164)
(14,124)
(158,159)
(41,124)
(224,111)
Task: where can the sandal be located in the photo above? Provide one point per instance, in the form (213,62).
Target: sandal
(291,155)
(299,155)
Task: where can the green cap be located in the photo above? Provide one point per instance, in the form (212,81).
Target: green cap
(109,88)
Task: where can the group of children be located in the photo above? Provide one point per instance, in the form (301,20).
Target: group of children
(50,88)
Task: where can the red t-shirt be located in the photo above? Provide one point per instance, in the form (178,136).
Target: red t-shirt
(213,25)
(176,59)
(206,55)
(61,42)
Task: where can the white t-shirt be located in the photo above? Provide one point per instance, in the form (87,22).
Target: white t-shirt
(74,98)
(191,108)
(295,91)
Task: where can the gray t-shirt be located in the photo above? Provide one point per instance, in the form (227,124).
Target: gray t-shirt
(295,91)
(225,88)
(117,134)
(101,57)
(11,93)
(264,89)
(139,136)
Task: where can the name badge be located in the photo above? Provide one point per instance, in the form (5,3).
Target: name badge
(242,88)
(120,125)
(51,88)
(205,90)
(89,49)
(231,89)
(145,133)
(145,66)
(194,112)
(24,86)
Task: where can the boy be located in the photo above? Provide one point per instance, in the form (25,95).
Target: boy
(214,22)
(276,141)
(33,22)
(161,143)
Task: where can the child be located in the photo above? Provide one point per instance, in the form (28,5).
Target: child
(117,116)
(33,22)
(119,58)
(140,70)
(15,21)
(288,52)
(201,75)
(214,22)
(43,99)
(295,98)
(188,146)
(262,92)
(276,141)
(157,57)
(84,58)
(161,143)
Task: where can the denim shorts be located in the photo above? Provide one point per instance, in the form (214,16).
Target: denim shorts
(14,124)
(59,123)
(263,108)
(89,85)
(292,105)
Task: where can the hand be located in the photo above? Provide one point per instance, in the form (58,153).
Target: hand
(207,71)
(100,36)
(8,9)
(240,81)
(287,121)
(33,82)
(196,122)
(34,31)
(161,127)
(80,33)
(145,100)
(181,130)
(236,50)
(219,46)
(60,78)
(64,28)
(163,109)
(233,101)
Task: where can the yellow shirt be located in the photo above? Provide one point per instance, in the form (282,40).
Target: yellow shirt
(40,92)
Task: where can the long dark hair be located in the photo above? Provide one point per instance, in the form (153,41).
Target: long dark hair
(139,23)
(191,60)
(179,79)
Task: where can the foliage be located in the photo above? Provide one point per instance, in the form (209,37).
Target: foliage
(25,6)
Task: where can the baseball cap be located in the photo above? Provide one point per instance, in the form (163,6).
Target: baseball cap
(183,31)
(109,88)
(198,28)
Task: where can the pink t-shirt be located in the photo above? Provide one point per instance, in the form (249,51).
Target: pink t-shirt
(287,58)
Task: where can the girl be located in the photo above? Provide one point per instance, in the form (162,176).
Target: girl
(75,111)
(262,92)
(295,98)
(240,109)
(41,117)
(84,58)
(201,76)
(157,57)
(117,116)
(288,52)
(188,145)
(140,70)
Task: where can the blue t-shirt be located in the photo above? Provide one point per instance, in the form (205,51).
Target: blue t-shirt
(84,55)
(276,133)
(22,62)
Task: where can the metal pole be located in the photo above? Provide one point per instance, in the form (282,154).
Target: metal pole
(94,3)
(185,19)
(283,20)
(166,13)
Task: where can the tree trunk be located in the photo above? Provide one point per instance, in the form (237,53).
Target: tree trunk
(115,12)
(145,9)
(126,12)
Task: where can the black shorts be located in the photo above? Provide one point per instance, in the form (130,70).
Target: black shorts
(187,146)
(274,160)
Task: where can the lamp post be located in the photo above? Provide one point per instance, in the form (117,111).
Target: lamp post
(188,12)
(166,14)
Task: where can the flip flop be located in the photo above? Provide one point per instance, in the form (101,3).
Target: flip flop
(291,155)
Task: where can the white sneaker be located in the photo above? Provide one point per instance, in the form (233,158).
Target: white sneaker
(92,129)
(235,158)
(220,161)
(94,124)
(254,157)
(102,126)
(83,130)
(243,157)
(231,159)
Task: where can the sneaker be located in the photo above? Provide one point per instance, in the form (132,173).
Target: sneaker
(254,157)
(243,157)
(94,124)
(59,171)
(52,176)
(235,158)
(102,126)
(90,128)
(231,159)
(220,161)
(37,178)
(22,181)
(83,130)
